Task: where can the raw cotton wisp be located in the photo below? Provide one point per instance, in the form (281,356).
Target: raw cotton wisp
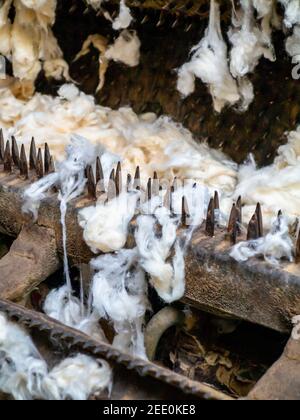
(209,63)
(273,247)
(119,293)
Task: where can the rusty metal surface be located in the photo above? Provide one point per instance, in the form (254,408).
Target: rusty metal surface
(76,340)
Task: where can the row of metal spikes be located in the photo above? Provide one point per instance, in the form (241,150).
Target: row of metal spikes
(12,158)
(255,229)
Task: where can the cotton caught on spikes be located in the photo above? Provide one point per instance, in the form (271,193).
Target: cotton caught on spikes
(105,226)
(119,292)
(209,63)
(125,49)
(273,247)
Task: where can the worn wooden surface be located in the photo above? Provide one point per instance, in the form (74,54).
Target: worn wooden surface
(253,291)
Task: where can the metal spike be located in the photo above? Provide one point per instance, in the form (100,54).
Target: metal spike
(39,164)
(51,165)
(253,229)
(7,158)
(297,250)
(167,199)
(47,158)
(15,152)
(119,179)
(23,162)
(184,212)
(137,178)
(32,157)
(233,224)
(258,212)
(175,184)
(216,201)
(128,182)
(155,185)
(239,208)
(210,219)
(149,189)
(111,190)
(1,146)
(99,171)
(91,184)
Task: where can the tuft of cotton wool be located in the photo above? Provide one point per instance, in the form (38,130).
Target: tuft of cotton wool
(119,293)
(124,19)
(29,41)
(155,144)
(273,247)
(77,378)
(209,63)
(22,369)
(292,12)
(126,49)
(276,187)
(249,44)
(292,45)
(96,4)
(105,226)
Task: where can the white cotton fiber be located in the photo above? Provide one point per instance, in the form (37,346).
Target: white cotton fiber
(77,378)
(22,369)
(209,63)
(119,293)
(275,246)
(292,12)
(105,226)
(124,19)
(248,44)
(125,49)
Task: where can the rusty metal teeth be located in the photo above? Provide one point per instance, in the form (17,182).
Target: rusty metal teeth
(99,171)
(210,218)
(15,152)
(155,185)
(149,189)
(39,164)
(47,158)
(239,208)
(128,182)
(297,250)
(184,212)
(253,229)
(51,165)
(7,158)
(258,212)
(119,181)
(111,190)
(91,184)
(233,228)
(216,201)
(23,163)
(137,179)
(1,146)
(32,155)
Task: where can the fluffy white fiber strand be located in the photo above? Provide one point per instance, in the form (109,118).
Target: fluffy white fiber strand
(124,19)
(105,226)
(119,293)
(29,41)
(292,12)
(162,255)
(249,44)
(209,63)
(273,247)
(24,373)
